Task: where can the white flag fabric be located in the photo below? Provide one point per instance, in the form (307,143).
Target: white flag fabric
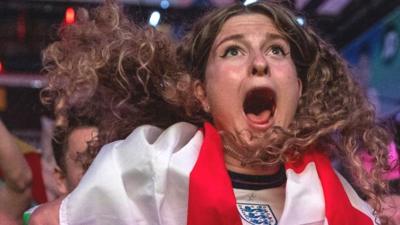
(178,176)
(140,180)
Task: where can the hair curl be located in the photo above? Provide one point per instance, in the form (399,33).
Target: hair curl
(109,70)
(333,113)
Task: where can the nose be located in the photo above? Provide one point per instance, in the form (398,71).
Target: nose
(259,66)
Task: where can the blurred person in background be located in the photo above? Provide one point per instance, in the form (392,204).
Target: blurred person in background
(96,87)
(390,201)
(70,150)
(16,183)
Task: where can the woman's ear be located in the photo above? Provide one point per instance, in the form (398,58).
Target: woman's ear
(300,87)
(200,93)
(60,178)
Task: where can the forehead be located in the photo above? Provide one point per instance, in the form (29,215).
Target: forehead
(247,24)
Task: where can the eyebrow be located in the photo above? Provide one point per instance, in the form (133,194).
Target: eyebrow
(269,37)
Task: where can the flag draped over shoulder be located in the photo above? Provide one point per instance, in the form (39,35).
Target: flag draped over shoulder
(178,177)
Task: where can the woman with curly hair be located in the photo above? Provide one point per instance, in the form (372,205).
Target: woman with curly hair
(278,93)
(280,98)
(109,71)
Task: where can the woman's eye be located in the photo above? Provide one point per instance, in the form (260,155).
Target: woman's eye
(277,50)
(231,51)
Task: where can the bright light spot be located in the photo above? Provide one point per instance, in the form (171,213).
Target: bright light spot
(1,67)
(154,18)
(70,15)
(300,21)
(164,4)
(248,2)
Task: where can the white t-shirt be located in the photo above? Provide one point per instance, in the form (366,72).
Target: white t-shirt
(260,206)
(260,199)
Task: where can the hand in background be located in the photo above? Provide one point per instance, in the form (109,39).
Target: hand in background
(15,193)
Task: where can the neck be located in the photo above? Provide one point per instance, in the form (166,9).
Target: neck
(236,166)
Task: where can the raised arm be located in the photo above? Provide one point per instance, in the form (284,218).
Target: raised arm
(15,194)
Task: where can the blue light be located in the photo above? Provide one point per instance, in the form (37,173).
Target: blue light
(164,4)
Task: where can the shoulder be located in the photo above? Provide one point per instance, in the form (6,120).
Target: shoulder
(5,218)
(151,133)
(176,136)
(46,214)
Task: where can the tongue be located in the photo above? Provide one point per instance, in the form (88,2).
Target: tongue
(260,118)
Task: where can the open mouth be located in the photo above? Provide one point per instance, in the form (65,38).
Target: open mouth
(259,105)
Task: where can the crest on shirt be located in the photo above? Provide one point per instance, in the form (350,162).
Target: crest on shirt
(260,214)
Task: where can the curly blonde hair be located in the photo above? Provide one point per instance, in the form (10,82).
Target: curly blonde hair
(120,75)
(111,71)
(333,114)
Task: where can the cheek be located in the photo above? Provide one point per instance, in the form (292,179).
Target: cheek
(74,178)
(222,92)
(74,171)
(289,88)
(223,76)
(222,85)
(224,70)
(286,75)
(288,104)
(284,67)
(212,75)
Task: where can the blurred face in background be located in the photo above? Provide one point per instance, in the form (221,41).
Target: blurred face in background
(77,145)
